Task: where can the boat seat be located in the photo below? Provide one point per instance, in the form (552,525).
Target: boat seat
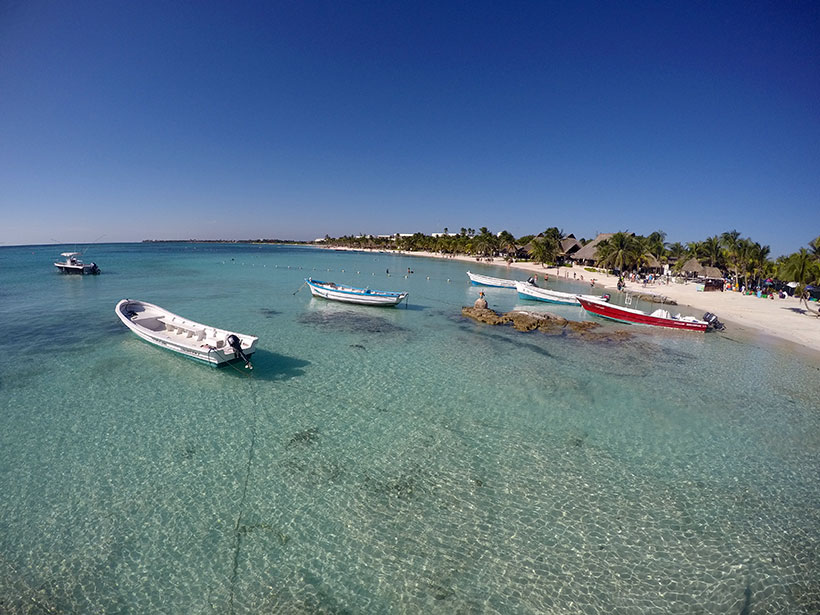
(200,335)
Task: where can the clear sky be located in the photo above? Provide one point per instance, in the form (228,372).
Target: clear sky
(134,120)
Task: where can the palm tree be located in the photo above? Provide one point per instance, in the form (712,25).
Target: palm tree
(694,249)
(621,251)
(814,244)
(731,241)
(745,257)
(506,243)
(484,242)
(554,232)
(676,250)
(544,250)
(655,245)
(801,267)
(712,251)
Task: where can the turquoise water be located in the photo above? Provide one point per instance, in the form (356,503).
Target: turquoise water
(387,460)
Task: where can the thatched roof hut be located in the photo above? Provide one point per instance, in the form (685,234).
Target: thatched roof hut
(712,273)
(652,263)
(588,254)
(692,266)
(570,246)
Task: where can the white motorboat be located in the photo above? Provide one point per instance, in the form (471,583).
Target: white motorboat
(485,280)
(73,264)
(351,294)
(162,328)
(536,293)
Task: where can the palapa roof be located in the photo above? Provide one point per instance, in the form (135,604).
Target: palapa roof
(652,262)
(588,252)
(692,266)
(712,272)
(570,245)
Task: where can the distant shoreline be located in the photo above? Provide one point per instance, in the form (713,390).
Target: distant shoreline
(251,241)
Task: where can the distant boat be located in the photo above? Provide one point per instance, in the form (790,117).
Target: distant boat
(73,264)
(536,293)
(658,318)
(351,294)
(485,280)
(192,339)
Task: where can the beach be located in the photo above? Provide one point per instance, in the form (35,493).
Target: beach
(775,319)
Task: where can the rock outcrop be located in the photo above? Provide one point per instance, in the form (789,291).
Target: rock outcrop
(546,322)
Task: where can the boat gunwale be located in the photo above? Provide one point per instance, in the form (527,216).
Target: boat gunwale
(505,282)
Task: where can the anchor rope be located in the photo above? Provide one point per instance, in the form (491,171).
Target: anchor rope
(238,524)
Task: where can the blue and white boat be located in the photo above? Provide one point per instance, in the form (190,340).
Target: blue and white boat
(485,280)
(351,294)
(536,293)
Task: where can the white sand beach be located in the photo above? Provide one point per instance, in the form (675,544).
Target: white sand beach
(776,319)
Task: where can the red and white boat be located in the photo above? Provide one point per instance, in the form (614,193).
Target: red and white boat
(658,318)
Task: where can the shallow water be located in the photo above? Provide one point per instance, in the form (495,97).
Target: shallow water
(387,459)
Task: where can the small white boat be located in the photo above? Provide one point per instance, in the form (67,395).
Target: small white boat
(351,294)
(192,339)
(73,264)
(536,293)
(485,280)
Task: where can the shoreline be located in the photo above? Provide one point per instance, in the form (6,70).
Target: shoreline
(781,320)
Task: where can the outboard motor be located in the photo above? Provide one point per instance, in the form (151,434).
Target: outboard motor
(713,321)
(605,298)
(236,344)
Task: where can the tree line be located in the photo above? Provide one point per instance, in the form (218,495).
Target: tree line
(744,260)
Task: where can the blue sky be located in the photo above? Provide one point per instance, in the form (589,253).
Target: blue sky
(162,120)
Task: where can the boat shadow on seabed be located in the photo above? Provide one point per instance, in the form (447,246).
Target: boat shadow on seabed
(268,366)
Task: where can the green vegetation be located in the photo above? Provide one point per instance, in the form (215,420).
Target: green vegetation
(745,261)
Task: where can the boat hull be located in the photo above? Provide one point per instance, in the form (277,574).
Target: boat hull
(536,293)
(630,316)
(90,269)
(476,279)
(191,339)
(350,294)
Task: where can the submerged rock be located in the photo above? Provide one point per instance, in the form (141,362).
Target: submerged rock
(485,315)
(546,322)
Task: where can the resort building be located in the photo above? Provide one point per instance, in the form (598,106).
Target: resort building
(588,254)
